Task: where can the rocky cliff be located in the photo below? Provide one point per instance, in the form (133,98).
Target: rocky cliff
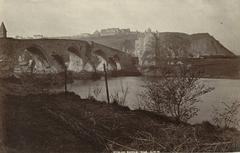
(205,44)
(195,45)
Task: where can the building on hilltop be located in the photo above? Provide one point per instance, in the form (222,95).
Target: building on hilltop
(37,36)
(110,31)
(3,31)
(113,31)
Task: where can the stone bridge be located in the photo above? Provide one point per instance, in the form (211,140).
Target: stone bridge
(54,54)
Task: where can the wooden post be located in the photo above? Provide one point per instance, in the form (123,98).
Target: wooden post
(156,36)
(106,82)
(65,79)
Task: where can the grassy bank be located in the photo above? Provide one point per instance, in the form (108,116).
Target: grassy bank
(60,123)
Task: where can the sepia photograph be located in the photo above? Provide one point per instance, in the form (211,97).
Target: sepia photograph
(119,76)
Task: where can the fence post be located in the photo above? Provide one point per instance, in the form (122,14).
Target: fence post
(106,82)
(65,79)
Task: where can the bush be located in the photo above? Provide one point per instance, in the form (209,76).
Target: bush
(229,116)
(176,93)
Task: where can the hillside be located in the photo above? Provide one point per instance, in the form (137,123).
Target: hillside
(206,44)
(65,123)
(116,41)
(120,41)
(199,44)
(196,45)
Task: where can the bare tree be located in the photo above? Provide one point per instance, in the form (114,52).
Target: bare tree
(175,93)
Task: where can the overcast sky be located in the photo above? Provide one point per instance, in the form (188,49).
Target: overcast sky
(220,18)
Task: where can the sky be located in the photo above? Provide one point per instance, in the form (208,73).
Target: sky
(219,18)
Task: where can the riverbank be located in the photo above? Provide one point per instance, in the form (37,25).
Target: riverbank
(97,75)
(60,123)
(208,67)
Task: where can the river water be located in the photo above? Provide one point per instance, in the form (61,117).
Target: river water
(226,90)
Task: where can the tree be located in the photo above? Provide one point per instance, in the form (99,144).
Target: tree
(175,93)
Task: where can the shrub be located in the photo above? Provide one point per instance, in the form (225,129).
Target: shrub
(229,116)
(175,93)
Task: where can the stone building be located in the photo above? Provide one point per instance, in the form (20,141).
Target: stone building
(114,31)
(38,36)
(110,31)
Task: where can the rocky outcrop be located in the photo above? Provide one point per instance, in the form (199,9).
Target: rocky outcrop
(179,45)
(195,45)
(204,44)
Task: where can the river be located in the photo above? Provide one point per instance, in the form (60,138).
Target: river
(226,90)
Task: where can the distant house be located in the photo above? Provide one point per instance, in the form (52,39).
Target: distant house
(37,36)
(110,31)
(114,31)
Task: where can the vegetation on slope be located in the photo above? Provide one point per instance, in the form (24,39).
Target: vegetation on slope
(60,123)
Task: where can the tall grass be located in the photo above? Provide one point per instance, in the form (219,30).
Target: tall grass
(120,96)
(94,92)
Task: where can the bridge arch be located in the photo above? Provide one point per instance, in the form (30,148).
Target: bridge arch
(76,61)
(104,59)
(33,58)
(75,50)
(116,59)
(112,62)
(60,61)
(89,67)
(99,63)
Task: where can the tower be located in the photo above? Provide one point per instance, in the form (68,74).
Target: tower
(3,31)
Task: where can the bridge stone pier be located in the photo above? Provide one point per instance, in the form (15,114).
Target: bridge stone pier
(11,51)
